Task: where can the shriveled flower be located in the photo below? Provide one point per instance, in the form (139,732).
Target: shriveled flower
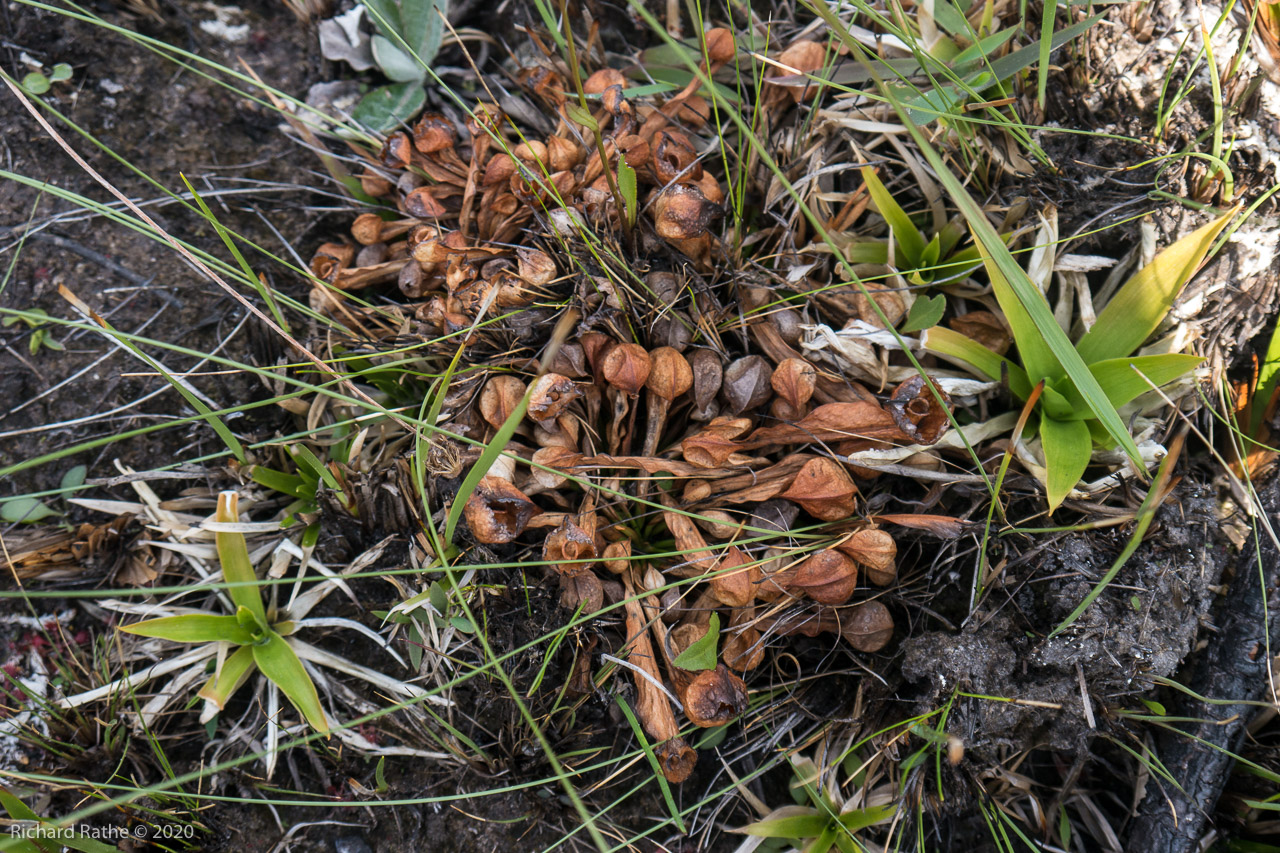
(497,512)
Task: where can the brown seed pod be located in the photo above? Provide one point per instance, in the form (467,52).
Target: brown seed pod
(708,374)
(732,583)
(720,46)
(714,697)
(876,551)
(627,367)
(746,384)
(868,627)
(501,396)
(824,489)
(617,556)
(569,548)
(827,577)
(603,79)
(433,133)
(497,512)
(397,151)
(669,377)
(794,380)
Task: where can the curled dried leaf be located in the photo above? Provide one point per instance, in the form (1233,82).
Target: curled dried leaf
(917,412)
(824,488)
(424,204)
(985,328)
(833,422)
(497,512)
(551,394)
(708,450)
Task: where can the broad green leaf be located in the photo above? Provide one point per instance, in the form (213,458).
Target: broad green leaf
(25,510)
(580,115)
(423,26)
(60,72)
(862,818)
(64,837)
(826,838)
(36,83)
(236,669)
(1067,448)
(1122,378)
(280,664)
(385,15)
(986,235)
(910,243)
(303,456)
(395,63)
(792,822)
(387,107)
(1037,359)
(1144,300)
(74,478)
(954,346)
(701,653)
(925,312)
(627,187)
(16,808)
(193,628)
(234,556)
(278,481)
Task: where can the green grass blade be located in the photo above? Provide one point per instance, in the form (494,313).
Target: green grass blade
(236,669)
(908,238)
(280,663)
(237,571)
(1047,19)
(192,628)
(1123,378)
(653,763)
(954,346)
(1145,299)
(1037,357)
(1067,448)
(1146,513)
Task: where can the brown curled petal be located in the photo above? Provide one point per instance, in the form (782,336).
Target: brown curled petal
(714,697)
(497,511)
(551,394)
(397,151)
(824,488)
(423,204)
(433,133)
(867,627)
(676,758)
(675,159)
(916,411)
(569,547)
(743,650)
(603,79)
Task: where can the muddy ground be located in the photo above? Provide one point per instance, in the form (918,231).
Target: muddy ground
(167,121)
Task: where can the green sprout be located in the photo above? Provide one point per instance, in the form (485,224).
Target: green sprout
(254,630)
(40,335)
(1067,425)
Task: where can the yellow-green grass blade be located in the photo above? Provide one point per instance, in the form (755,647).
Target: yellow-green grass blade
(237,571)
(963,349)
(1067,448)
(193,628)
(280,664)
(1123,378)
(905,234)
(1037,358)
(1144,300)
(235,671)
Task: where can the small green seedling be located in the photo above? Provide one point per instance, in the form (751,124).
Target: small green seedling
(29,510)
(408,38)
(40,335)
(1067,426)
(258,638)
(38,83)
(822,825)
(304,484)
